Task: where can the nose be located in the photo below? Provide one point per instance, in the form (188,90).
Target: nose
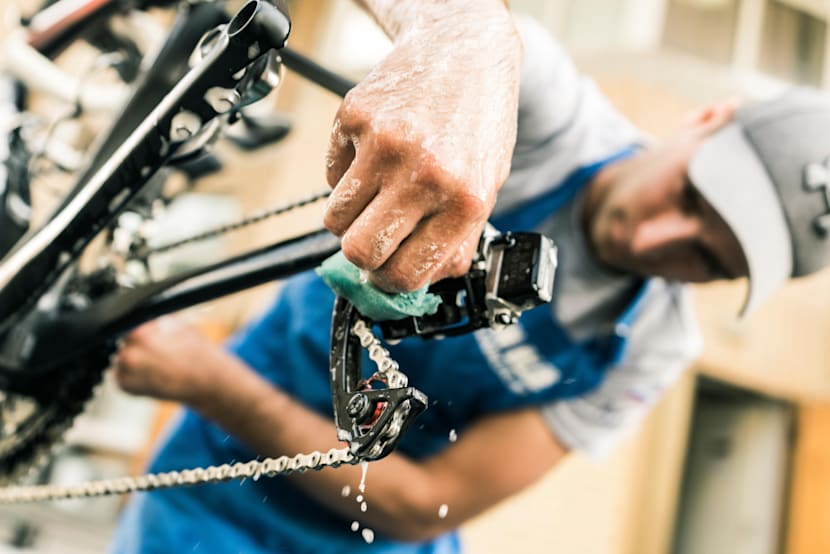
(664,231)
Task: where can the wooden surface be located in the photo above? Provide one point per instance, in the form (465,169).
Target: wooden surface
(808,531)
(781,350)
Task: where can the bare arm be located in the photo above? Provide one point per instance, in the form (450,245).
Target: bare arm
(399,17)
(493,459)
(422,145)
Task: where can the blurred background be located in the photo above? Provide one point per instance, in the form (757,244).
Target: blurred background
(732,460)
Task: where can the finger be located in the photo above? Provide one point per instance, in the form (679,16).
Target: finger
(379,230)
(350,197)
(417,260)
(130,358)
(170,323)
(340,154)
(459,263)
(140,334)
(344,143)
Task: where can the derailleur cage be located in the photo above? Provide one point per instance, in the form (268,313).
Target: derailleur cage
(370,420)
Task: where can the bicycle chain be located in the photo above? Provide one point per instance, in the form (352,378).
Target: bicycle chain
(236,225)
(254,469)
(270,467)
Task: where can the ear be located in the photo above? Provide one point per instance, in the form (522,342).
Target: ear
(710,118)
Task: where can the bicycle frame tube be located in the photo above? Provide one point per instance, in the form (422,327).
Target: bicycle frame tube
(168,68)
(47,341)
(54,28)
(38,73)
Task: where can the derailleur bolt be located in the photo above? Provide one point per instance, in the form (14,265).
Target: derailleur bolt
(358,406)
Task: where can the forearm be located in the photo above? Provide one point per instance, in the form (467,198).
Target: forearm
(400,18)
(493,459)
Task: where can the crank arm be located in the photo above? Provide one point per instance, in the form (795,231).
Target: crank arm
(371,421)
(255,31)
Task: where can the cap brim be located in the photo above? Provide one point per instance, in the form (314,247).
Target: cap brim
(730,176)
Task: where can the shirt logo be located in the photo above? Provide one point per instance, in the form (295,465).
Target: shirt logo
(519,366)
(817,177)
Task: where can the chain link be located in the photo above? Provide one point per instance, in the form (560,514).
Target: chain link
(387,367)
(254,469)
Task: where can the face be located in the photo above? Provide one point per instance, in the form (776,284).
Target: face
(646,217)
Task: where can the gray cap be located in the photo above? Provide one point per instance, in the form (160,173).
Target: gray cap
(767,173)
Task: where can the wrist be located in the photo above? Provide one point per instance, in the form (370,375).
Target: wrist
(212,381)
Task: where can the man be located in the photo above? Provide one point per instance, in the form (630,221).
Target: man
(724,197)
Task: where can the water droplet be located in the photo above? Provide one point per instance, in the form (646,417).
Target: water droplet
(368,535)
(355,526)
(346,491)
(363,506)
(359,498)
(365,467)
(264,499)
(453,435)
(227,438)
(442,511)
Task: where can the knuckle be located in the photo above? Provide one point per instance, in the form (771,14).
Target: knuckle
(456,267)
(333,172)
(359,252)
(334,222)
(127,358)
(142,334)
(390,145)
(470,207)
(351,116)
(432,175)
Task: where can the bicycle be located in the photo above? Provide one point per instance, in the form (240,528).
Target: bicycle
(57,320)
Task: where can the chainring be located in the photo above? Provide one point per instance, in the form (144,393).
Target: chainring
(28,442)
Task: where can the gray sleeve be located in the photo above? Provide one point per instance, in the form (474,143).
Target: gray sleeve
(564,121)
(663,341)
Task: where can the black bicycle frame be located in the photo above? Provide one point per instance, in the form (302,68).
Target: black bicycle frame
(41,339)
(48,251)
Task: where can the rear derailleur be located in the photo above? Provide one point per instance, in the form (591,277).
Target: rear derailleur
(511,273)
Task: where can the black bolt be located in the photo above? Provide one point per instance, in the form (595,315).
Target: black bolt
(358,406)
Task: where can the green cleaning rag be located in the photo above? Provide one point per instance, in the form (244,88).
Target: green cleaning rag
(345,280)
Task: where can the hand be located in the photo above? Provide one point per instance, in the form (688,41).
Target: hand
(169,359)
(421,146)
